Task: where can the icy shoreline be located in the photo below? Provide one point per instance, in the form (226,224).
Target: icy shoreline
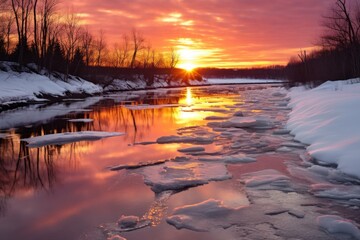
(30,86)
(327,119)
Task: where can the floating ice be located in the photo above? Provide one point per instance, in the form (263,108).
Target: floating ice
(337,225)
(281,132)
(201,217)
(232,159)
(68,137)
(136,165)
(215,118)
(339,192)
(83,120)
(182,175)
(185,139)
(268,179)
(248,122)
(191,149)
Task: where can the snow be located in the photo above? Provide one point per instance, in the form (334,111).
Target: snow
(68,137)
(327,119)
(182,175)
(337,225)
(17,87)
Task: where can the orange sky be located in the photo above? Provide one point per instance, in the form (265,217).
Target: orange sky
(211,33)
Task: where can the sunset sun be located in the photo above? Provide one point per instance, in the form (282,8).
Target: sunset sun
(188,59)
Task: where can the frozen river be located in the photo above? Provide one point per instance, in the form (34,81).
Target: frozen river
(190,163)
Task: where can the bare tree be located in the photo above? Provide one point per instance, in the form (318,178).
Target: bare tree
(21,10)
(87,46)
(71,37)
(138,44)
(100,47)
(173,58)
(121,52)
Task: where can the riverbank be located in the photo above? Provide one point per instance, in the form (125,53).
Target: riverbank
(327,119)
(28,85)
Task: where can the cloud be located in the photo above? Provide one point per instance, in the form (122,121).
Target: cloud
(235,32)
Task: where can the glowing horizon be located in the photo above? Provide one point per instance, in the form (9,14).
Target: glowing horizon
(217,33)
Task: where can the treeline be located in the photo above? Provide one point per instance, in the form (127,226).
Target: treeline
(338,55)
(58,41)
(271,72)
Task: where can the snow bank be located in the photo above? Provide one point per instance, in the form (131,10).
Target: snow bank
(327,119)
(17,87)
(68,137)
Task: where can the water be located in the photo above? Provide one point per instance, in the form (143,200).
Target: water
(68,191)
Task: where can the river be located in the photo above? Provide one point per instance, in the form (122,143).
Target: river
(80,189)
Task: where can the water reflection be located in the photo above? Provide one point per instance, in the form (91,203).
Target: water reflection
(66,186)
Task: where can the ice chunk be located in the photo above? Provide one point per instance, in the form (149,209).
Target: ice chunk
(337,225)
(339,192)
(200,217)
(116,237)
(68,137)
(185,139)
(182,175)
(215,118)
(136,165)
(128,221)
(248,122)
(191,149)
(231,159)
(268,179)
(83,120)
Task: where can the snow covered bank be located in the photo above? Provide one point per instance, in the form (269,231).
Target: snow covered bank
(30,86)
(327,118)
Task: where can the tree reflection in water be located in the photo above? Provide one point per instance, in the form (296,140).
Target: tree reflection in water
(24,170)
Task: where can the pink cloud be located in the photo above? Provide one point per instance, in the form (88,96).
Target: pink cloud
(240,30)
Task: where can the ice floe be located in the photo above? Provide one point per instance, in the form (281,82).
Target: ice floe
(201,217)
(268,179)
(191,149)
(231,159)
(136,165)
(181,175)
(68,137)
(185,139)
(263,122)
(337,225)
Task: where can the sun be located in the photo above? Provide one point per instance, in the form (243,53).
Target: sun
(189,67)
(188,57)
